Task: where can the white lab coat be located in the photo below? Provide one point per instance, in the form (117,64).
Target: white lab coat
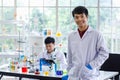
(56,56)
(90,49)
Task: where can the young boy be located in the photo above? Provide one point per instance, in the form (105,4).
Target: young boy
(51,53)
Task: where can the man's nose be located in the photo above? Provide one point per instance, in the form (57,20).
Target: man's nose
(79,19)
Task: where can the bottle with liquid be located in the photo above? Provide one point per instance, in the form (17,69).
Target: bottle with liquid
(12,66)
(59,70)
(24,68)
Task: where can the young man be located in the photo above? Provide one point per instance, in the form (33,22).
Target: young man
(86,49)
(51,53)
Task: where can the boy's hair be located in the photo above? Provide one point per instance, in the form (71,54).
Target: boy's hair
(49,40)
(80,10)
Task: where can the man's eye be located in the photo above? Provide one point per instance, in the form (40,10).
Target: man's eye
(76,17)
(82,16)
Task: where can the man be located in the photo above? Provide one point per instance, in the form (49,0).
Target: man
(86,49)
(51,53)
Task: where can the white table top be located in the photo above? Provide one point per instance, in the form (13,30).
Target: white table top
(104,75)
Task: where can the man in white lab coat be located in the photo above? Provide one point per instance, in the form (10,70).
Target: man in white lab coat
(51,53)
(86,49)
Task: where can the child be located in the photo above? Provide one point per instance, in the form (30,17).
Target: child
(51,53)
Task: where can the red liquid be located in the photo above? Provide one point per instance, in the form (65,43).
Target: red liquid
(24,70)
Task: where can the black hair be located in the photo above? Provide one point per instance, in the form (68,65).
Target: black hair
(49,40)
(80,10)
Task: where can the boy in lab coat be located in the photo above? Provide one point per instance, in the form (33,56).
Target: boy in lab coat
(51,53)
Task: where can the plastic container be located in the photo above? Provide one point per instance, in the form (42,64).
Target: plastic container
(59,70)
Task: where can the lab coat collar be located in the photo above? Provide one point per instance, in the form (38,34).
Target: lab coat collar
(51,55)
(88,30)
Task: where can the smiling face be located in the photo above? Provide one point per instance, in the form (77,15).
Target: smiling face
(50,47)
(81,20)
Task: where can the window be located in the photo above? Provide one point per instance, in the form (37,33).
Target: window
(56,15)
(109,23)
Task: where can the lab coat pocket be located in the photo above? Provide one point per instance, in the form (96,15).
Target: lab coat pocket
(87,72)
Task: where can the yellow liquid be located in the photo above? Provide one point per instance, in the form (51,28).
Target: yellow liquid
(12,68)
(46,73)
